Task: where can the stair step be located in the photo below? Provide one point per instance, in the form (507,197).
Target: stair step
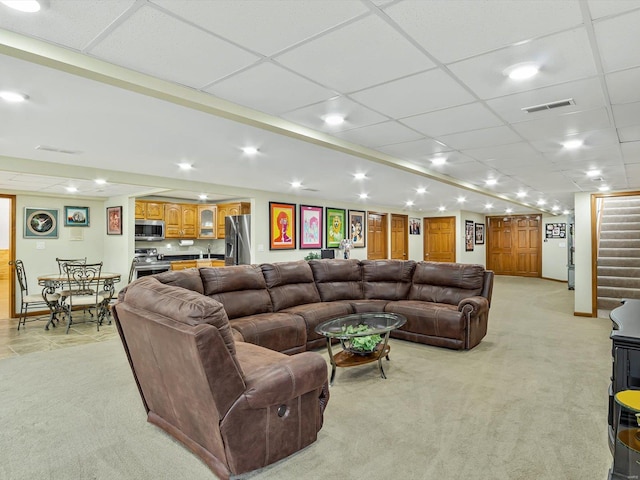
(619,282)
(617,252)
(630,201)
(618,262)
(619,234)
(620,243)
(619,218)
(624,271)
(607,303)
(615,292)
(619,226)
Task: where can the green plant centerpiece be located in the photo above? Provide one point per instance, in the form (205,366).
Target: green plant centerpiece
(362,344)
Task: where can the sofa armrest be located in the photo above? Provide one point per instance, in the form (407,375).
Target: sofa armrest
(473,306)
(289,378)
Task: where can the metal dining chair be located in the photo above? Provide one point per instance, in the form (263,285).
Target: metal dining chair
(38,300)
(61,263)
(85,288)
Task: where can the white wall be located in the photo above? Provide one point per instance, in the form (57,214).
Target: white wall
(582,256)
(554,251)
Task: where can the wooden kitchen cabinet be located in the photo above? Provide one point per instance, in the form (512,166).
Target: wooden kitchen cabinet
(227,209)
(149,210)
(180,220)
(201,262)
(207,221)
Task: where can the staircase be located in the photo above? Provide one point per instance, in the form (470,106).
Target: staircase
(619,251)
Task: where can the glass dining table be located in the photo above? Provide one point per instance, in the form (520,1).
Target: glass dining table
(53,282)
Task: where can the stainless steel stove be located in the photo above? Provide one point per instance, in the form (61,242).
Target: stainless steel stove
(149,262)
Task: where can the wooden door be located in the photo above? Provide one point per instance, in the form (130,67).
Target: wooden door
(376,236)
(514,245)
(399,237)
(440,239)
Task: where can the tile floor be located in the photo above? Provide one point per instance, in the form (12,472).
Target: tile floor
(34,338)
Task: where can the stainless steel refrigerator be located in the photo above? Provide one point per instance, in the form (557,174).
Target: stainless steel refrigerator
(237,240)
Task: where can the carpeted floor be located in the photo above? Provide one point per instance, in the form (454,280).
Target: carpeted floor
(529,403)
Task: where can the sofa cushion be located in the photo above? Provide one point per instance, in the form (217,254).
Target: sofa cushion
(290,283)
(240,288)
(189,279)
(446,282)
(179,304)
(316,313)
(283,332)
(387,279)
(431,319)
(338,279)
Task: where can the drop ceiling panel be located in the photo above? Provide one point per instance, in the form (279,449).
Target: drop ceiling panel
(363,47)
(265,27)
(587,94)
(623,86)
(415,150)
(603,8)
(562,57)
(415,94)
(629,134)
(449,39)
(592,139)
(269,88)
(569,124)
(633,175)
(520,150)
(547,181)
(631,152)
(480,138)
(612,35)
(152,42)
(71,23)
(520,166)
(385,133)
(627,115)
(453,120)
(355,115)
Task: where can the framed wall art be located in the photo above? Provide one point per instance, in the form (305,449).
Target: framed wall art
(335,226)
(114,220)
(555,230)
(76,216)
(479,233)
(40,222)
(282,226)
(414,226)
(469,235)
(357,230)
(310,226)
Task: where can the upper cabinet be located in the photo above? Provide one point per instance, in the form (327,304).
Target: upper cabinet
(149,210)
(207,221)
(228,209)
(180,220)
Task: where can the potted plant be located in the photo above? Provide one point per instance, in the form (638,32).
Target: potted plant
(362,345)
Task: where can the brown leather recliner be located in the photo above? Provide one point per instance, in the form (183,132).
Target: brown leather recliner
(236,405)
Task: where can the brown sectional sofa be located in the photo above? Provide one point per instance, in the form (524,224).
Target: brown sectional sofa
(195,340)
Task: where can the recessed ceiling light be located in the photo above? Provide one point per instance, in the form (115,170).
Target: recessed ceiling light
(439,161)
(593,173)
(603,188)
(359,176)
(566,212)
(555,208)
(521,194)
(409,203)
(441,208)
(13,97)
(249,150)
(509,210)
(492,181)
(202,196)
(572,144)
(26,6)
(364,195)
(488,206)
(461,199)
(542,201)
(185,166)
(522,71)
(334,119)
(71,189)
(100,181)
(296,184)
(421,190)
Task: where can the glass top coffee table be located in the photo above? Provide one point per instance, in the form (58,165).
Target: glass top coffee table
(352,332)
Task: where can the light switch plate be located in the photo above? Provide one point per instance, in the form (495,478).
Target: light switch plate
(39,245)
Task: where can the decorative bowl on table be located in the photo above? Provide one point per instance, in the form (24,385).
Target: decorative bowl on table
(361,345)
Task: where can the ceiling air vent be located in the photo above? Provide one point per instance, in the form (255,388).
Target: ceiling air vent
(549,106)
(57,150)
(310,189)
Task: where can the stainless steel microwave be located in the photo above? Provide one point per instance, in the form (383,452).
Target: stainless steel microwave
(149,230)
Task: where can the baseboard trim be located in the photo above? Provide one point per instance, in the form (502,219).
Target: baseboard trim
(584,314)
(554,279)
